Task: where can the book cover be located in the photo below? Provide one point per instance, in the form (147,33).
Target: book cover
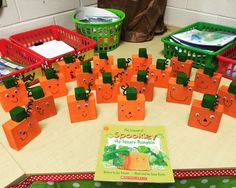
(133,154)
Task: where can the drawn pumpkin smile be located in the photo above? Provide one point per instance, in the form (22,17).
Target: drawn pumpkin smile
(14,99)
(129,115)
(184,98)
(107,96)
(204,122)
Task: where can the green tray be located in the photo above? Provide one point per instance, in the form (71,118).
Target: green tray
(106,34)
(199,56)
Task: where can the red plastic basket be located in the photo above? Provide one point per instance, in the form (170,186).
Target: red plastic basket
(19,55)
(79,42)
(227,63)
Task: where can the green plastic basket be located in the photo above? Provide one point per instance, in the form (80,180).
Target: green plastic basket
(106,34)
(199,56)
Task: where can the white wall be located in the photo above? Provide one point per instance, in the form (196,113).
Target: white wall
(21,15)
(184,12)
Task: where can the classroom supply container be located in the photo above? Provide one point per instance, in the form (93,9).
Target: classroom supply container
(199,56)
(227,63)
(20,55)
(82,45)
(107,34)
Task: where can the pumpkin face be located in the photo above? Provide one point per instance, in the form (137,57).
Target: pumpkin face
(106,93)
(102,65)
(20,134)
(204,118)
(145,88)
(81,110)
(130,110)
(84,78)
(228,100)
(160,77)
(69,70)
(44,108)
(178,66)
(205,83)
(178,93)
(15,96)
(124,76)
(141,63)
(56,87)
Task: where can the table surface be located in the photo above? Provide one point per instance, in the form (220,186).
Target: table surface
(63,147)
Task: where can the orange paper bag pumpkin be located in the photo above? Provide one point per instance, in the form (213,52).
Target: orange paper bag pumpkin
(142,60)
(54,83)
(43,105)
(86,76)
(227,98)
(21,129)
(143,84)
(206,114)
(123,71)
(160,73)
(102,63)
(132,106)
(181,64)
(180,90)
(68,67)
(81,106)
(207,81)
(12,93)
(107,89)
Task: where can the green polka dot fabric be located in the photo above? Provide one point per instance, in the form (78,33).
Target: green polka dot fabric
(199,182)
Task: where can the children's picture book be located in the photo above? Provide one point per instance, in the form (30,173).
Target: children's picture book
(133,154)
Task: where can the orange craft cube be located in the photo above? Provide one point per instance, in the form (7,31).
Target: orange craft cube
(12,93)
(207,81)
(20,130)
(204,118)
(86,76)
(102,63)
(181,64)
(132,106)
(180,90)
(160,73)
(142,60)
(53,83)
(143,85)
(68,67)
(227,98)
(123,71)
(106,90)
(81,107)
(43,105)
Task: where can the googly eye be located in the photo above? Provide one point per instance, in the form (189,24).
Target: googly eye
(92,79)
(224,98)
(152,74)
(15,91)
(214,81)
(99,88)
(7,95)
(78,106)
(138,109)
(67,66)
(231,100)
(197,115)
(76,67)
(86,105)
(126,73)
(173,63)
(163,74)
(212,117)
(190,89)
(111,88)
(20,132)
(182,65)
(47,103)
(84,80)
(37,107)
(97,63)
(143,89)
(173,88)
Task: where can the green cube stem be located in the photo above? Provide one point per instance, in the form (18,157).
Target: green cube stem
(209,69)
(208,101)
(37,92)
(182,56)
(50,73)
(9,82)
(181,78)
(232,87)
(121,63)
(107,78)
(68,58)
(80,93)
(103,55)
(142,76)
(87,67)
(131,93)
(161,64)
(142,52)
(18,114)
